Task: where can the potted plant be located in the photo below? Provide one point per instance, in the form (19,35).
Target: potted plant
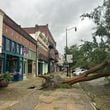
(5,78)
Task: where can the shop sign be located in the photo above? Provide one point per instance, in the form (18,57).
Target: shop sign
(25,50)
(69,58)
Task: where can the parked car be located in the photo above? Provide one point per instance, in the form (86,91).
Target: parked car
(78,71)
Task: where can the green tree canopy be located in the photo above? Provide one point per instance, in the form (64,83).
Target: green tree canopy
(89,54)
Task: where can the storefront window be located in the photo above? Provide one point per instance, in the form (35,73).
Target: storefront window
(25,51)
(3,43)
(21,50)
(18,48)
(13,48)
(7,44)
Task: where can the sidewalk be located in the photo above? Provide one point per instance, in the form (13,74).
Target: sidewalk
(17,91)
(18,97)
(64,99)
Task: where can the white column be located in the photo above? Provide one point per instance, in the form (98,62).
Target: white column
(46,67)
(43,67)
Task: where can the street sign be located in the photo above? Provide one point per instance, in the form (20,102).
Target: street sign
(69,58)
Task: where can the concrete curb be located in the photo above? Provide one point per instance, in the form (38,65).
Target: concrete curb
(91,103)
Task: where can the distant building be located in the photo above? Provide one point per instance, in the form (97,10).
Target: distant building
(47,55)
(42,48)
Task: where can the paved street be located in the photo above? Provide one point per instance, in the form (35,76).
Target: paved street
(18,97)
(99,92)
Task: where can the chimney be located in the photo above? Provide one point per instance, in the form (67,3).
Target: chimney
(36,27)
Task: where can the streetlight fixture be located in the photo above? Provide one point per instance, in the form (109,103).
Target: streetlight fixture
(68,29)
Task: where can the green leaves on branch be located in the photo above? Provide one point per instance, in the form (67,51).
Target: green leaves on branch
(91,53)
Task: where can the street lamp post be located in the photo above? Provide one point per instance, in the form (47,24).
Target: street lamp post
(66,54)
(67,66)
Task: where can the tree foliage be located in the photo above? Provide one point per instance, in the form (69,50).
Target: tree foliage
(89,54)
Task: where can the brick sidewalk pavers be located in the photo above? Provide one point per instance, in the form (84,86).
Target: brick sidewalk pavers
(18,97)
(64,99)
(17,92)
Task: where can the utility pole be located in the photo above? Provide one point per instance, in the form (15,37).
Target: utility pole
(66,54)
(67,65)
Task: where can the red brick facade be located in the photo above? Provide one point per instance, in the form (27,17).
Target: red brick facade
(16,33)
(52,54)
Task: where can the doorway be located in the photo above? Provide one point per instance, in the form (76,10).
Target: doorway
(12,64)
(29,66)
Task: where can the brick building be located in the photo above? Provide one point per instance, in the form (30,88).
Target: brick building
(47,53)
(17,48)
(26,51)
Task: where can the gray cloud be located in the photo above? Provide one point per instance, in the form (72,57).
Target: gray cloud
(59,14)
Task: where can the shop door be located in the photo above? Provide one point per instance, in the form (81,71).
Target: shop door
(29,66)
(40,66)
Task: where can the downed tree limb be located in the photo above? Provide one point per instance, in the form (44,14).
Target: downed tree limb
(88,78)
(53,81)
(96,68)
(45,77)
(86,73)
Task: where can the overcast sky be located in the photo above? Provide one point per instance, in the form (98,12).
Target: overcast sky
(59,14)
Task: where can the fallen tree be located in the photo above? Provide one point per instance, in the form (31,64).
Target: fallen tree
(53,81)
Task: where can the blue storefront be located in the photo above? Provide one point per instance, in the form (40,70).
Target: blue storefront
(13,58)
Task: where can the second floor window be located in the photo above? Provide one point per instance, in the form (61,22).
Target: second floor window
(21,50)
(3,43)
(7,44)
(13,48)
(18,48)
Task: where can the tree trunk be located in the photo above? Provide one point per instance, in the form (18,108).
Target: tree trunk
(88,78)
(86,73)
(53,81)
(97,67)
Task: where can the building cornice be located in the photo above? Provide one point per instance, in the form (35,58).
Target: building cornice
(8,21)
(2,12)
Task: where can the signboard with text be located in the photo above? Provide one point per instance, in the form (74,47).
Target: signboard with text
(69,58)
